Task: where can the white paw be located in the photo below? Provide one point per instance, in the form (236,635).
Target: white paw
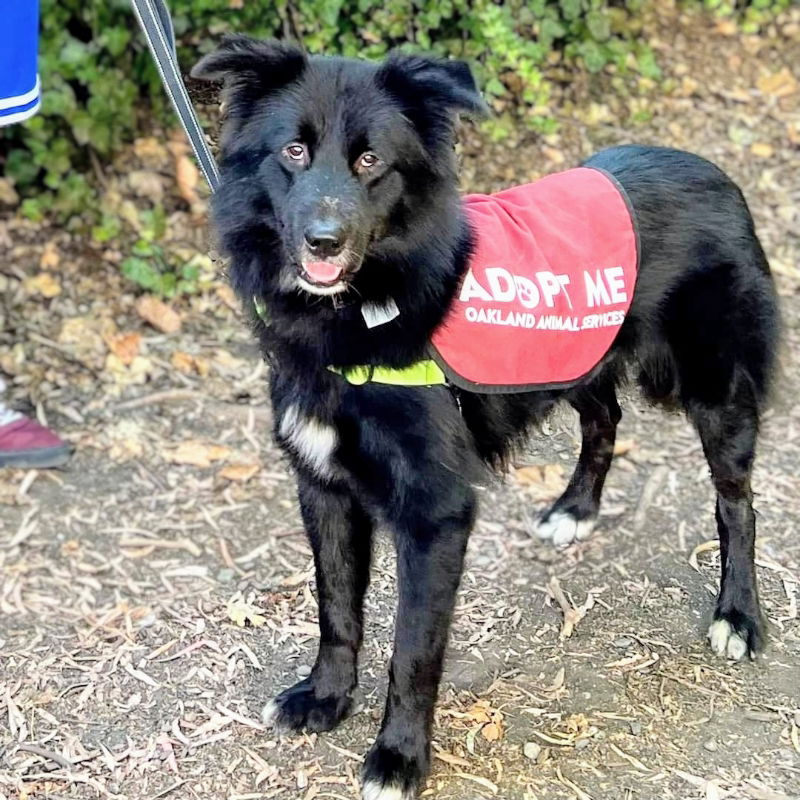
(269,713)
(562,528)
(379,791)
(725,641)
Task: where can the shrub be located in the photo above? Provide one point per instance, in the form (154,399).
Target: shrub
(753,14)
(99,81)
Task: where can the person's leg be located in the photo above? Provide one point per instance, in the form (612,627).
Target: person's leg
(19,81)
(25,444)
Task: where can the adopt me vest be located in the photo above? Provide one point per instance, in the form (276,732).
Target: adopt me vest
(548,286)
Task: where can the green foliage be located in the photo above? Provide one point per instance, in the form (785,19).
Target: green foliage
(100,87)
(152,265)
(149,266)
(752,14)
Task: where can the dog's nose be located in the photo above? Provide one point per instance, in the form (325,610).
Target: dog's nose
(325,237)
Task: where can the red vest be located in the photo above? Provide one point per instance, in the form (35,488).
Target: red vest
(549,284)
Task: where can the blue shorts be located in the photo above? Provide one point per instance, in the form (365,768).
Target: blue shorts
(19,41)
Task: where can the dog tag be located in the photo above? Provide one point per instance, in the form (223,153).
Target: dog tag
(375,315)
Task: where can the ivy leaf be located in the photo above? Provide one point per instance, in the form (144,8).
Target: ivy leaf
(647,63)
(570,8)
(593,56)
(598,25)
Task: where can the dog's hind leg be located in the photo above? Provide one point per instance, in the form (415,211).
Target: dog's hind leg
(430,552)
(340,533)
(573,515)
(729,435)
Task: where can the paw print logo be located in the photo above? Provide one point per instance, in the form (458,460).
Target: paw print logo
(527,292)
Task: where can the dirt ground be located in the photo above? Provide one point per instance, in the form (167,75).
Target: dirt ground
(124,671)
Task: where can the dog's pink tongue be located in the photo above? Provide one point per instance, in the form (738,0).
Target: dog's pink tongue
(323,271)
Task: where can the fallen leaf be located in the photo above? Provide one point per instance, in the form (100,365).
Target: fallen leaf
(136,371)
(227,363)
(125,346)
(624,446)
(788,268)
(704,547)
(243,612)
(762,149)
(187,363)
(369,36)
(545,482)
(196,453)
(579,793)
(125,445)
(158,314)
(558,682)
(449,758)
(239,472)
(8,194)
(146,183)
(572,615)
(689,86)
(50,257)
(150,151)
(727,27)
(492,732)
(553,155)
(187,176)
(479,712)
(481,781)
(227,295)
(695,780)
(85,337)
(44,284)
(778,84)
(713,791)
(295,579)
(576,724)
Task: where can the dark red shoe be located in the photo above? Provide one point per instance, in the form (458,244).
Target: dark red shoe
(26,444)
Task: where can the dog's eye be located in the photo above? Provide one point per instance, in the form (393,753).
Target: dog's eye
(296,152)
(367,161)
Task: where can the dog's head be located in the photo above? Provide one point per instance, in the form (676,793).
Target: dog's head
(337,157)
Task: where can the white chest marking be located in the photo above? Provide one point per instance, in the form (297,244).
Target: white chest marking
(312,440)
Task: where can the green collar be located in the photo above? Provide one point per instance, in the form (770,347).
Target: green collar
(423,373)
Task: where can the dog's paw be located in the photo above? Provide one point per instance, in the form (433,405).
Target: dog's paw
(390,775)
(561,528)
(298,708)
(734,636)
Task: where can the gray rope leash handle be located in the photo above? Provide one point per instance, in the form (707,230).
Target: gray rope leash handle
(156,24)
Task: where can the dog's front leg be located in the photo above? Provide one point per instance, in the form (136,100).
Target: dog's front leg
(430,554)
(340,532)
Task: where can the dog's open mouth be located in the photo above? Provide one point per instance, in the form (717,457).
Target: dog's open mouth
(326,277)
(322,273)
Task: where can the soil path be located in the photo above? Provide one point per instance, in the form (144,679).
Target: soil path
(123,671)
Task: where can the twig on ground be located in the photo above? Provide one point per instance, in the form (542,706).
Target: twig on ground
(50,755)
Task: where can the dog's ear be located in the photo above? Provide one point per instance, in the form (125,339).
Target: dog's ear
(255,67)
(439,82)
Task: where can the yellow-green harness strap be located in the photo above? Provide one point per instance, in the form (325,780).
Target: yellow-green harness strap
(423,373)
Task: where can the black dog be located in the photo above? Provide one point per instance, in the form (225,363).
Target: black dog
(338,191)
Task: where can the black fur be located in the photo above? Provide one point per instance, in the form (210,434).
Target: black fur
(700,335)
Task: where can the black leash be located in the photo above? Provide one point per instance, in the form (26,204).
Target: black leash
(156,24)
